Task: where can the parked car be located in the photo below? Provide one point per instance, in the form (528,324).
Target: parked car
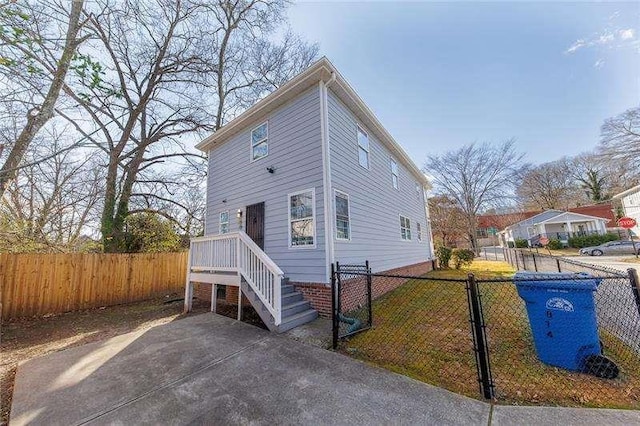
(612,247)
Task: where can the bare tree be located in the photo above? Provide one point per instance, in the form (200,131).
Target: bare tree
(547,186)
(51,205)
(447,220)
(172,70)
(620,137)
(477,177)
(20,41)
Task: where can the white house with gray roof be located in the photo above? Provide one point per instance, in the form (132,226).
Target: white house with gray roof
(553,224)
(305,178)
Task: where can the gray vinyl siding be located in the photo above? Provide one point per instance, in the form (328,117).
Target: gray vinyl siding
(520,228)
(295,151)
(376,205)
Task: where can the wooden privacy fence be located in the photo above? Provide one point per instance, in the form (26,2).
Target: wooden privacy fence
(39,284)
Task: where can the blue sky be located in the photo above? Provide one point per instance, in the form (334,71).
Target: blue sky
(441,75)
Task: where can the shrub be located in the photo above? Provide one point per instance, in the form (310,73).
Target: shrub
(510,244)
(462,257)
(592,240)
(521,243)
(554,244)
(444,256)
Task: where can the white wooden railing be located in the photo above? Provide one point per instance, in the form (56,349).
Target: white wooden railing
(236,251)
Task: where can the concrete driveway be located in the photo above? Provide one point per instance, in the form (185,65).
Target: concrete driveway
(209,369)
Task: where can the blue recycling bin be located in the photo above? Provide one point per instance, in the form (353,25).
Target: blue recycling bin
(562,315)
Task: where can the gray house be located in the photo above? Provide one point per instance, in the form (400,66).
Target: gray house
(304,178)
(553,224)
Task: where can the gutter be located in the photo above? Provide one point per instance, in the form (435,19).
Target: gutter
(326,175)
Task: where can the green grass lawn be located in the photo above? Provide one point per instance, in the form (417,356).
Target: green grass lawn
(422,330)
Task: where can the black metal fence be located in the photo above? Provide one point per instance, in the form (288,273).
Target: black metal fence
(351,300)
(571,340)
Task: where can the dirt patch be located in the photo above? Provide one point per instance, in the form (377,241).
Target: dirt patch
(21,340)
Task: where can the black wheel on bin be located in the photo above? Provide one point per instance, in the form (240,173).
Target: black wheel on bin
(596,253)
(601,366)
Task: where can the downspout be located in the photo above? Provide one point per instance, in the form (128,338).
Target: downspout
(326,175)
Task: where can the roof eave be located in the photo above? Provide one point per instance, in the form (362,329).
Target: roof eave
(627,192)
(322,70)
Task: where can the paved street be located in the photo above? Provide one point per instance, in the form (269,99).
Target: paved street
(613,262)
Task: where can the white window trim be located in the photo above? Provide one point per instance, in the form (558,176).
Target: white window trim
(251,144)
(400,221)
(419,231)
(315,219)
(397,175)
(335,213)
(358,147)
(220,222)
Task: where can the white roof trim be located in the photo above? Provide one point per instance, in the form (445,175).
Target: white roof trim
(627,192)
(518,224)
(322,70)
(575,214)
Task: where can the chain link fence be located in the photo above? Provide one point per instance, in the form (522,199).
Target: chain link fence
(569,339)
(420,327)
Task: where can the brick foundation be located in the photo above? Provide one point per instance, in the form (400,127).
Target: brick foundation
(319,295)
(231,296)
(203,292)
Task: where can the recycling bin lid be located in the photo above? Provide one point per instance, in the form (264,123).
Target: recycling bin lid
(556,280)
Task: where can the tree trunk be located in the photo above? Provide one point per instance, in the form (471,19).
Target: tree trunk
(37,118)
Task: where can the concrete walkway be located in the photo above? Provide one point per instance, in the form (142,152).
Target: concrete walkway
(209,369)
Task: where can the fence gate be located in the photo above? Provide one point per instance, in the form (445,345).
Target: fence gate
(351,300)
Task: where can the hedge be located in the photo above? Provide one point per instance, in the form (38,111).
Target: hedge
(592,240)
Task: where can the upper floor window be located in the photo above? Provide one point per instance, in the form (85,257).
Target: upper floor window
(343,223)
(260,141)
(224,222)
(405,228)
(363,148)
(419,229)
(394,173)
(302,228)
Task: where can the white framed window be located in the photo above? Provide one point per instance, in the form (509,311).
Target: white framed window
(343,216)
(260,141)
(405,228)
(302,215)
(394,173)
(224,222)
(363,148)
(418,230)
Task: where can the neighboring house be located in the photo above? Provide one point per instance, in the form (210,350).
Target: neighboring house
(553,224)
(630,200)
(305,178)
(605,211)
(489,226)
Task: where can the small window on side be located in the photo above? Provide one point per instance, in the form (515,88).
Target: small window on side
(224,222)
(394,173)
(343,221)
(405,228)
(363,148)
(260,141)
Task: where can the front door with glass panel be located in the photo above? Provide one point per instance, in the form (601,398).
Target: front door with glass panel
(255,223)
